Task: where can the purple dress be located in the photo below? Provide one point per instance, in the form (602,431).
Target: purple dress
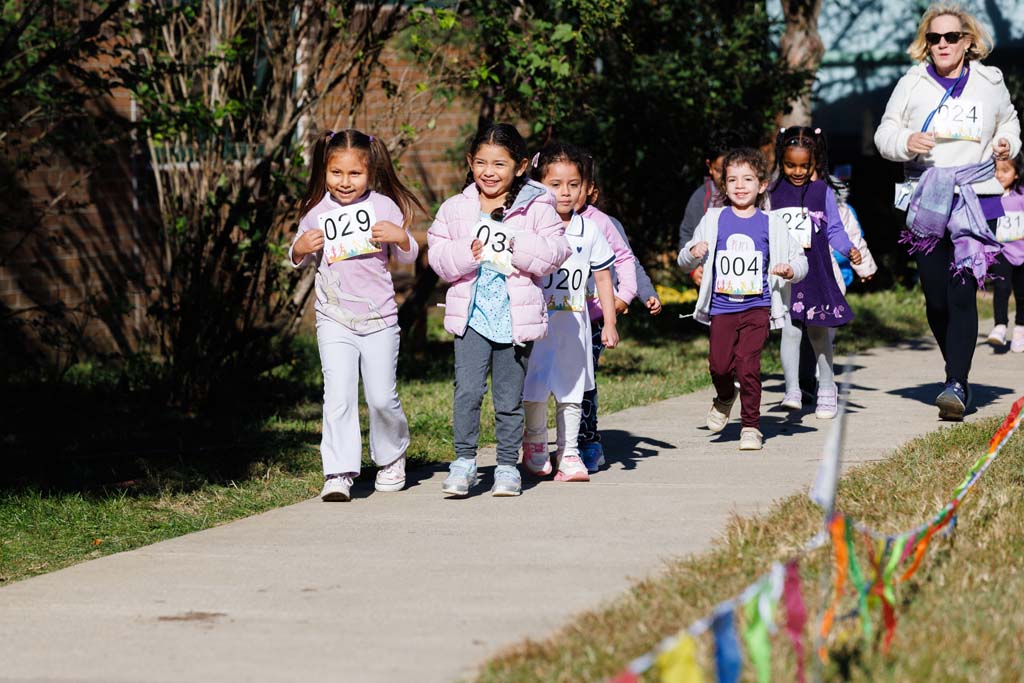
(817,300)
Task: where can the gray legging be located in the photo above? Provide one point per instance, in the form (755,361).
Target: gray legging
(821,343)
(474,356)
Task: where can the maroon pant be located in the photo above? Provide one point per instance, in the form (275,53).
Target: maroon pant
(737,340)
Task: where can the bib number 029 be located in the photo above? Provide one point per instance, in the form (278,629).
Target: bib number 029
(347,231)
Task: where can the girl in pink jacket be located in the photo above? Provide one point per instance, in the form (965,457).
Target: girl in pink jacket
(493,243)
(354,217)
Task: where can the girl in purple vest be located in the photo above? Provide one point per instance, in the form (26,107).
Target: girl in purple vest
(1009,268)
(810,210)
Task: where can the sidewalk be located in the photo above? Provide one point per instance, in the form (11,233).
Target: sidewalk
(416,587)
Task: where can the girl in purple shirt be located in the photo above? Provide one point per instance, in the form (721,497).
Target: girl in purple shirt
(354,217)
(1009,266)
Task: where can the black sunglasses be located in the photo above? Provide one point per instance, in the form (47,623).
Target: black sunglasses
(953,37)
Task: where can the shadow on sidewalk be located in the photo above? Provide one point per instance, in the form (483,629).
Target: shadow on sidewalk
(981,394)
(624,447)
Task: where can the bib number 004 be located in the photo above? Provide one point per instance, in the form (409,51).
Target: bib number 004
(739,273)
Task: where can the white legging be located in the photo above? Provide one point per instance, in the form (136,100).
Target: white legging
(567,420)
(344,357)
(821,342)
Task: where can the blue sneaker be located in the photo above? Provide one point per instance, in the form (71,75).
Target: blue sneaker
(592,455)
(952,402)
(507,481)
(461,477)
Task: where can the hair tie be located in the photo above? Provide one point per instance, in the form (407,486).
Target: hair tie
(817,131)
(371,138)
(330,134)
(535,160)
(782,130)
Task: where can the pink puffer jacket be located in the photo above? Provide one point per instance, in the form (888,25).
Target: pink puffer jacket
(540,249)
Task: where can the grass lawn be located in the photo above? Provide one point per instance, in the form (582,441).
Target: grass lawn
(118,470)
(959,617)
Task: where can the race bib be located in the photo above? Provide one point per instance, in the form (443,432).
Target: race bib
(959,119)
(1010,228)
(565,290)
(495,237)
(901,197)
(799,223)
(739,268)
(347,231)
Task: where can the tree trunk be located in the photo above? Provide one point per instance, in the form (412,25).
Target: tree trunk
(802,48)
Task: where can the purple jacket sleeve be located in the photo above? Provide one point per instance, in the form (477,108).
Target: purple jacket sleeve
(837,237)
(542,250)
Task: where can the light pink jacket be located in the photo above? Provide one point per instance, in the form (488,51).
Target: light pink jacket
(539,250)
(624,269)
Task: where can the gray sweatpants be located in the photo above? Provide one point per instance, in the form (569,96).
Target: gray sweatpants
(474,356)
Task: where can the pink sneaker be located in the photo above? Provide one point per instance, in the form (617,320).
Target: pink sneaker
(391,477)
(1017,345)
(536,458)
(571,468)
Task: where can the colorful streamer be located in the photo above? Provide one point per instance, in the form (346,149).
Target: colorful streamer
(728,662)
(796,615)
(679,665)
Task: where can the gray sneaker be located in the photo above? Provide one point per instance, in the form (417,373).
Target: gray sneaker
(507,481)
(461,477)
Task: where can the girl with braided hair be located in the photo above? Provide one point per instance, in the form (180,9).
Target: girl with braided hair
(494,243)
(809,208)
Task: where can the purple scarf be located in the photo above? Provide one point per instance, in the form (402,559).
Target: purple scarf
(932,213)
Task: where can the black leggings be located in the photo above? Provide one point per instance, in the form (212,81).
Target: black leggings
(1008,277)
(952,307)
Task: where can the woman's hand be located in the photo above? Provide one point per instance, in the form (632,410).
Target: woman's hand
(1001,149)
(653,305)
(386,232)
(477,247)
(309,242)
(783,270)
(921,143)
(699,250)
(855,257)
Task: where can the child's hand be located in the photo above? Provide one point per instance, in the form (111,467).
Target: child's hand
(699,250)
(783,270)
(610,336)
(311,241)
(653,305)
(477,247)
(621,307)
(855,257)
(866,278)
(386,232)
(697,275)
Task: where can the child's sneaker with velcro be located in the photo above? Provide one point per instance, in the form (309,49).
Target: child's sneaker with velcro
(507,481)
(571,468)
(718,416)
(592,455)
(750,439)
(536,459)
(462,476)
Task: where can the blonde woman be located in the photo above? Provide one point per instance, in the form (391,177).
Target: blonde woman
(948,119)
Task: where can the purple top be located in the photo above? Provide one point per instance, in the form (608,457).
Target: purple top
(357,292)
(1013,201)
(755,229)
(820,201)
(947,83)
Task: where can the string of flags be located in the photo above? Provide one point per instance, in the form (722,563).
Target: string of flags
(775,599)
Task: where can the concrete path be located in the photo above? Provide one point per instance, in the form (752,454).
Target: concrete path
(416,587)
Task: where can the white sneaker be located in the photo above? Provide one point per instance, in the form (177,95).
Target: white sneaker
(718,416)
(571,468)
(997,337)
(750,439)
(1017,345)
(391,477)
(337,489)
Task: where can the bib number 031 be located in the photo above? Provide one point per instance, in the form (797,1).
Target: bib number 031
(495,238)
(1010,227)
(347,232)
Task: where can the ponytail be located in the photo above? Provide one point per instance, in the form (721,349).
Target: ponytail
(382,176)
(317,186)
